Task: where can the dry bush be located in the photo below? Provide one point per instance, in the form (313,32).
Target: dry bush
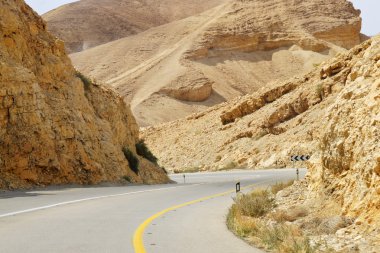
(280,186)
(285,239)
(256,204)
(218,158)
(247,219)
(242,226)
(229,166)
(280,216)
(290,215)
(275,238)
(298,212)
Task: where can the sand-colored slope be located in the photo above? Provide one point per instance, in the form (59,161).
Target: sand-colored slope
(236,48)
(263,129)
(88,23)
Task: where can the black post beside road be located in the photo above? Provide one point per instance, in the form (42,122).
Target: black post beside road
(238,187)
(184,178)
(298,174)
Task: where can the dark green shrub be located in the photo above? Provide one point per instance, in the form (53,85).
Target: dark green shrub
(127,178)
(132,160)
(164,170)
(143,150)
(85,80)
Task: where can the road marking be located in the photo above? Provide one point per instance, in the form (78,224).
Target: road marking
(85,199)
(138,243)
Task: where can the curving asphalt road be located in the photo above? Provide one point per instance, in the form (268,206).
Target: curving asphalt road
(105,219)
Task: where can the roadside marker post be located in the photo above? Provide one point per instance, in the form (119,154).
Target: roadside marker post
(184,178)
(298,158)
(237,187)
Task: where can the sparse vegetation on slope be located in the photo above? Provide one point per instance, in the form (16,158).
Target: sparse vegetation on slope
(255,204)
(85,80)
(143,150)
(132,159)
(248,218)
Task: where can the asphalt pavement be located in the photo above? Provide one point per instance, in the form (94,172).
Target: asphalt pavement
(106,219)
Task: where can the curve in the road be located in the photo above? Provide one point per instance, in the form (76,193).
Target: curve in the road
(138,243)
(81,200)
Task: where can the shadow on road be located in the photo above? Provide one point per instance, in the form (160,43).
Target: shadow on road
(20,194)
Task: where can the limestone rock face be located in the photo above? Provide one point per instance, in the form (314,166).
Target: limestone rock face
(263,129)
(55,128)
(238,47)
(349,164)
(191,87)
(332,114)
(266,25)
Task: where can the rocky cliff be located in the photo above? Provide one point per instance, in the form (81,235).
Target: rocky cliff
(265,25)
(56,128)
(347,166)
(231,50)
(341,193)
(263,129)
(332,114)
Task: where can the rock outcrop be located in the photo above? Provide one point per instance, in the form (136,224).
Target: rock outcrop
(343,183)
(348,165)
(56,128)
(191,87)
(267,25)
(238,46)
(286,118)
(332,114)
(88,23)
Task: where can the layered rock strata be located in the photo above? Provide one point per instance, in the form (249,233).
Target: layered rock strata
(56,128)
(238,47)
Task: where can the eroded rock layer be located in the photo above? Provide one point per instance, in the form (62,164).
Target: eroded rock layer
(348,163)
(54,127)
(238,47)
(88,23)
(265,128)
(332,114)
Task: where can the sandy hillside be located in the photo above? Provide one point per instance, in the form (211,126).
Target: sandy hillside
(186,66)
(88,23)
(262,129)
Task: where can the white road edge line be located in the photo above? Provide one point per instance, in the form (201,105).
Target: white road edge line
(85,199)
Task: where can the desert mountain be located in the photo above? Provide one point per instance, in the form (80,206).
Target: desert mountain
(234,49)
(88,23)
(56,128)
(331,113)
(264,128)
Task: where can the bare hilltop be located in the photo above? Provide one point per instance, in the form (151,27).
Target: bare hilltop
(88,23)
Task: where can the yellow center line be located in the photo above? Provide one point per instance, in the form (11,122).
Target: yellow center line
(138,243)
